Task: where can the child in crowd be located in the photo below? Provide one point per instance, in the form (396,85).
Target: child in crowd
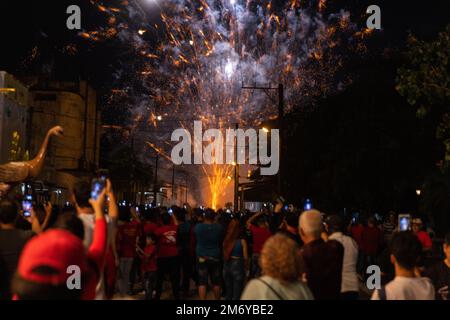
(149,265)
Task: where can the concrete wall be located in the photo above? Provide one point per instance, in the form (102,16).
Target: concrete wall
(55,106)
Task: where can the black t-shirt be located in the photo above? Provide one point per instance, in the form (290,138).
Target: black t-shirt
(12,242)
(440,276)
(322,263)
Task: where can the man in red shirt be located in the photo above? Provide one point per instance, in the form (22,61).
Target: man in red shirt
(260,233)
(423,236)
(371,240)
(127,237)
(167,252)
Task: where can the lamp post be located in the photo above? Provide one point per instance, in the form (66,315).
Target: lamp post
(236,174)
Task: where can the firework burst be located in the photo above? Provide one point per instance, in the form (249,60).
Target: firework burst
(190,63)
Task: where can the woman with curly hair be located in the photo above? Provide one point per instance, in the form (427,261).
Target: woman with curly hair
(280,265)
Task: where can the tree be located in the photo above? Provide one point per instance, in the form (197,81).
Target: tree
(16,153)
(425,81)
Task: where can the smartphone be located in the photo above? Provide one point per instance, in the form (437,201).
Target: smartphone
(404,222)
(98,185)
(308,205)
(228,211)
(170,211)
(27,204)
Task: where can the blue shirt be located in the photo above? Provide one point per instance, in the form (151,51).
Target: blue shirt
(208,240)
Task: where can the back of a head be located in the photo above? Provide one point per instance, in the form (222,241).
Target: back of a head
(42,268)
(310,223)
(371,221)
(406,248)
(82,192)
(280,259)
(334,223)
(70,222)
(180,213)
(292,219)
(210,214)
(124,213)
(8,211)
(166,219)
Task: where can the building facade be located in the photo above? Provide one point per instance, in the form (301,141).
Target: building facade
(27,112)
(14,114)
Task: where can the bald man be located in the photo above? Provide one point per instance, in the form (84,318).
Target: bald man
(321,261)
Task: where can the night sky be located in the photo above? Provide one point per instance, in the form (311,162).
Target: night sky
(42,24)
(25,24)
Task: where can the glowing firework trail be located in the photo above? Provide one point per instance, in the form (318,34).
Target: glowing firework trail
(192,62)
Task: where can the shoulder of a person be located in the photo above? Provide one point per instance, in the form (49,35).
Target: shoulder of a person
(252,290)
(334,243)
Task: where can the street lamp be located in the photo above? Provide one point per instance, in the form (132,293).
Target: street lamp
(418,192)
(7,90)
(265,129)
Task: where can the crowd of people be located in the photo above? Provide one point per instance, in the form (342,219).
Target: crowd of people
(277,254)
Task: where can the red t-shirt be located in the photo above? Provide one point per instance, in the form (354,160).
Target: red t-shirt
(150,227)
(167,241)
(371,240)
(424,239)
(149,263)
(260,235)
(127,235)
(356,232)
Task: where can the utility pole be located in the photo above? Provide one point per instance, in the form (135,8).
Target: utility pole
(280,90)
(281,128)
(85,127)
(173,184)
(186,190)
(155,180)
(236,173)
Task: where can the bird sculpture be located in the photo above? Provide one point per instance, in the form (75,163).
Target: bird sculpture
(18,171)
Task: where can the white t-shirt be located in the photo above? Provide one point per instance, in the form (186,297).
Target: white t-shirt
(403,288)
(257,290)
(349,275)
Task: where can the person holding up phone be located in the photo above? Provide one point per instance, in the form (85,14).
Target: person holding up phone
(12,241)
(57,250)
(258,226)
(81,193)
